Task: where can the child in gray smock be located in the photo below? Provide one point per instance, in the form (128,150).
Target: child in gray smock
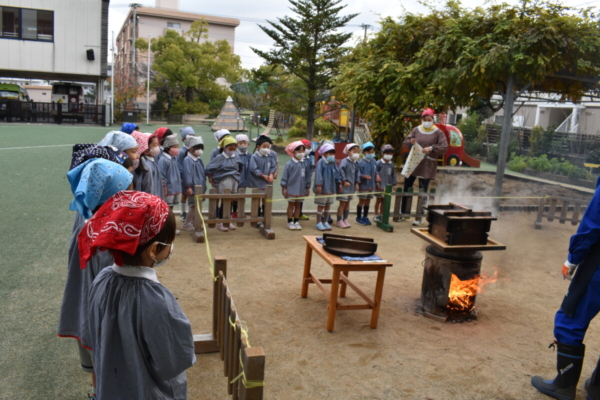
(186,133)
(368,182)
(295,182)
(327,181)
(349,176)
(193,175)
(219,135)
(386,172)
(92,183)
(152,164)
(141,339)
(169,171)
(224,172)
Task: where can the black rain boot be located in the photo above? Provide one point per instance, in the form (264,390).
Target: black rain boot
(569,362)
(592,385)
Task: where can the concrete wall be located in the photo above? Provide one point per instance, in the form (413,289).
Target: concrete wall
(77,28)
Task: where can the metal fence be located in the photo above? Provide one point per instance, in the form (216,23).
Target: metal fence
(24,111)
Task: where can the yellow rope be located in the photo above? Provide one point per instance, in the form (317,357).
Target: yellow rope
(208,252)
(247,383)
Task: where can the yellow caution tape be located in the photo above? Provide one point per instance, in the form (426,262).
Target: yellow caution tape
(208,252)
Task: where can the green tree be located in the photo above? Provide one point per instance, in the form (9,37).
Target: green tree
(456,57)
(309,47)
(187,68)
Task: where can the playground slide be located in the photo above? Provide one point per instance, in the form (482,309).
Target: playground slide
(470,161)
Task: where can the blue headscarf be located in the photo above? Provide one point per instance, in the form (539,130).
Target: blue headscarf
(129,127)
(94,182)
(120,140)
(185,131)
(367,145)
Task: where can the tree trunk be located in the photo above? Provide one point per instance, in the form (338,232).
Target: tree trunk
(509,100)
(189,95)
(310,118)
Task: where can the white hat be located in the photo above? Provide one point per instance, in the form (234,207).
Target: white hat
(220,134)
(242,138)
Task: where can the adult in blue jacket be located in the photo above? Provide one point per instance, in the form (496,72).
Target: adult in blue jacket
(580,305)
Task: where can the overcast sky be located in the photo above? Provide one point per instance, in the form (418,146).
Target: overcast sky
(250,14)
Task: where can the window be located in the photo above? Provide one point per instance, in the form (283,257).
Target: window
(174,25)
(26,24)
(455,140)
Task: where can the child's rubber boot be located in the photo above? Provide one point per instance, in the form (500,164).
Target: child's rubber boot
(569,362)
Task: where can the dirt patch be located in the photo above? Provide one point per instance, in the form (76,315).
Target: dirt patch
(407,356)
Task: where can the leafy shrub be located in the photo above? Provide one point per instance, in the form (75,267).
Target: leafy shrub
(535,140)
(543,164)
(517,163)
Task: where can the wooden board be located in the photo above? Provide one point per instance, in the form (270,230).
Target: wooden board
(425,235)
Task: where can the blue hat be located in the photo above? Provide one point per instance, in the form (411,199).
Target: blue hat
(94,182)
(120,140)
(185,131)
(129,127)
(367,146)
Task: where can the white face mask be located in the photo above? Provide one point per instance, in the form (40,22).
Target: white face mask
(154,151)
(388,157)
(136,163)
(160,263)
(198,153)
(354,156)
(427,124)
(264,151)
(299,156)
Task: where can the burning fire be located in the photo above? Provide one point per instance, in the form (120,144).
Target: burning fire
(462,293)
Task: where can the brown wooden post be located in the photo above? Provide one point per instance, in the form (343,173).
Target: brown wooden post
(254,207)
(223,310)
(198,234)
(553,202)
(227,332)
(266,230)
(212,208)
(236,360)
(226,204)
(253,359)
(241,207)
(409,200)
(420,203)
(576,211)
(564,211)
(231,352)
(220,268)
(540,214)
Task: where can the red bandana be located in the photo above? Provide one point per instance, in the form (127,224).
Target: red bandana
(128,219)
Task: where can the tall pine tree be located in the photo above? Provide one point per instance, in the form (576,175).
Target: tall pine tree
(309,47)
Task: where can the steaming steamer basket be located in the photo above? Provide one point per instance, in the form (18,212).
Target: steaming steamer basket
(341,245)
(459,225)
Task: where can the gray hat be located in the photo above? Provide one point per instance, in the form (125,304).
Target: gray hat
(194,141)
(170,141)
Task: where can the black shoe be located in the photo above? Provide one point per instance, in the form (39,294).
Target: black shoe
(569,362)
(183,216)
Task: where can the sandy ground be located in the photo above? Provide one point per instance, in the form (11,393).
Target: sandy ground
(408,356)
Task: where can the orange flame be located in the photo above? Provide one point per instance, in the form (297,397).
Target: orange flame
(461,296)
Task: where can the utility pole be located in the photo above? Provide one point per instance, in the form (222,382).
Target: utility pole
(112,80)
(365,27)
(133,36)
(148,87)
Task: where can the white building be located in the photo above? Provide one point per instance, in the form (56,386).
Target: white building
(63,40)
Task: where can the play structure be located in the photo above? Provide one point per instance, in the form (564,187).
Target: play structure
(229,118)
(577,206)
(214,198)
(243,365)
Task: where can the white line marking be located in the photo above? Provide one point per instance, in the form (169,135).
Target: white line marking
(35,147)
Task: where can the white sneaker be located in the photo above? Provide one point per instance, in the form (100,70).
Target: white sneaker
(291,226)
(417,222)
(187,227)
(177,231)
(232,226)
(298,226)
(222,228)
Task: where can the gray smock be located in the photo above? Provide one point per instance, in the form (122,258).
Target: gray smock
(141,339)
(274,162)
(367,168)
(193,173)
(157,185)
(170,174)
(245,159)
(349,172)
(73,318)
(327,177)
(142,177)
(295,178)
(216,151)
(387,173)
(183,152)
(259,165)
(221,167)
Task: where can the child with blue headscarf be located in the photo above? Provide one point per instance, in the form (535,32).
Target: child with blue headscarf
(92,183)
(125,143)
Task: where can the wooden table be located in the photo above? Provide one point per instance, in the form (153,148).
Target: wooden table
(341,270)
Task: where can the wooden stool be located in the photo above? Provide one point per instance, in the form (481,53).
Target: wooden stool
(341,270)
